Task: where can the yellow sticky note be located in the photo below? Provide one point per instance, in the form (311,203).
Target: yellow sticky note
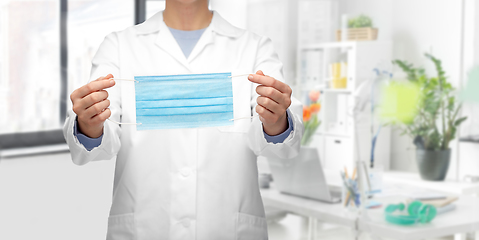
(399,102)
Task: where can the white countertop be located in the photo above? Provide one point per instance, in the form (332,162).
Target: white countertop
(465,218)
(414,180)
(448,186)
(329,212)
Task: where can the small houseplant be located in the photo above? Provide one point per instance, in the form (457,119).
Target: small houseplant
(360,29)
(310,117)
(362,21)
(436,121)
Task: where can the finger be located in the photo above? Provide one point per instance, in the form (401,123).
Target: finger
(101,117)
(259,72)
(92,98)
(96,108)
(265,115)
(270,92)
(271,105)
(78,93)
(80,105)
(94,86)
(109,76)
(270,82)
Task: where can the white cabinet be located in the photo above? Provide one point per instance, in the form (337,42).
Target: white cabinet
(337,149)
(345,136)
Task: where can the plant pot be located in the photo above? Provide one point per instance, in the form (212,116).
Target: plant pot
(359,34)
(433,165)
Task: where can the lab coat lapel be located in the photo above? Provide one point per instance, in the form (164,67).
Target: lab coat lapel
(167,42)
(205,39)
(218,26)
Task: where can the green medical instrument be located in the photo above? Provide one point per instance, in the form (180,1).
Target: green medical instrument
(418,213)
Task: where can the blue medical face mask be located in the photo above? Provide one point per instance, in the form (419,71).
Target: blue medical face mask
(184,101)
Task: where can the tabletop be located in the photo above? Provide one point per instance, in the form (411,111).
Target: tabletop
(329,212)
(465,218)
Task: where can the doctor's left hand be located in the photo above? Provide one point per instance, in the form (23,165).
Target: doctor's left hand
(273,101)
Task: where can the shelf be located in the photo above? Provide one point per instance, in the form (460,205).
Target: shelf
(343,135)
(334,90)
(473,139)
(339,124)
(330,45)
(307,86)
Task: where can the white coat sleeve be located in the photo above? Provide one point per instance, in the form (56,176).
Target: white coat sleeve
(267,60)
(105,62)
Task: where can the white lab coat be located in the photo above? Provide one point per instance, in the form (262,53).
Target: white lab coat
(185,183)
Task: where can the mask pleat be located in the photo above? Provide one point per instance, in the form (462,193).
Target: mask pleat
(184,101)
(181,89)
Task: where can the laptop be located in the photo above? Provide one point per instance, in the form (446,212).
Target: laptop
(303,177)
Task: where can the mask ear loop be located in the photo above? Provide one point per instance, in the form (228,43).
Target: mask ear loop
(120,123)
(128,80)
(242,118)
(241,75)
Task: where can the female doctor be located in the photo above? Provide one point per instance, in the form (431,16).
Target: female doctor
(193,183)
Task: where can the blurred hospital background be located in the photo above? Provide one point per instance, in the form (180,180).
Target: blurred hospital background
(46,47)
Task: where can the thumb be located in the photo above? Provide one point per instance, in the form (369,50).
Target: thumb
(259,72)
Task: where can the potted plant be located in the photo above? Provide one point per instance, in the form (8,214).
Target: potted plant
(311,124)
(359,29)
(436,121)
(310,117)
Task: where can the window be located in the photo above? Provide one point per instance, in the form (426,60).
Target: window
(29,66)
(89,21)
(35,83)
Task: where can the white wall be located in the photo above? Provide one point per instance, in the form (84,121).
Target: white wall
(48,197)
(380,12)
(233,11)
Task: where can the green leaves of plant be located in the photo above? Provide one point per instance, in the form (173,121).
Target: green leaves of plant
(436,105)
(309,129)
(459,121)
(360,22)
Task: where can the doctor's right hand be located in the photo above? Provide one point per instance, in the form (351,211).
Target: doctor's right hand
(90,103)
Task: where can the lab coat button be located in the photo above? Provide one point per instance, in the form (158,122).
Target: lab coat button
(186,223)
(185,172)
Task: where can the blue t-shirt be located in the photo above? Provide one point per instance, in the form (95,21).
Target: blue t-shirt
(187,39)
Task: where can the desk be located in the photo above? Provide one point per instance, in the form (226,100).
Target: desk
(464,219)
(413,180)
(448,186)
(327,212)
